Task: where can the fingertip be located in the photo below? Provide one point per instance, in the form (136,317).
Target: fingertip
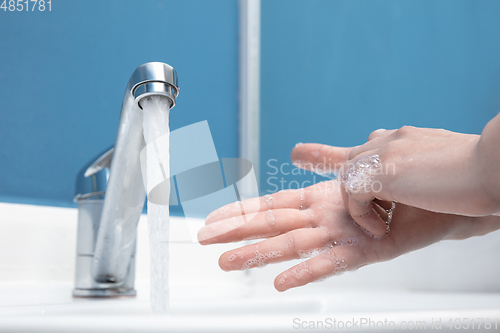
(206,236)
(202,241)
(223,263)
(299,151)
(279,285)
(212,217)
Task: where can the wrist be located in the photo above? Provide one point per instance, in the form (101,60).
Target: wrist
(466,226)
(487,168)
(460,227)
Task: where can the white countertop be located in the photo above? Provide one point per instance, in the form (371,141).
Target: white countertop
(37,251)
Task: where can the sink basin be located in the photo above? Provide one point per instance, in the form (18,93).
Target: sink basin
(425,288)
(50,308)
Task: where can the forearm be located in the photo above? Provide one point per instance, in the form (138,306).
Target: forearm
(488,163)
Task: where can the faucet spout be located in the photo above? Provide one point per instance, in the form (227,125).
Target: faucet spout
(125,194)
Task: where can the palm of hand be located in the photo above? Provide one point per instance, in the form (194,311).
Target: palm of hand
(313,222)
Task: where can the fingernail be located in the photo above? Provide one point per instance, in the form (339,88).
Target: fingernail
(218,228)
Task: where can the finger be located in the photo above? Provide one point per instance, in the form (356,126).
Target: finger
(295,199)
(311,156)
(277,249)
(380,207)
(375,142)
(381,210)
(301,243)
(385,205)
(364,214)
(345,197)
(334,262)
(264,225)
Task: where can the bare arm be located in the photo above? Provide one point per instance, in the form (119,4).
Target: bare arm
(488,159)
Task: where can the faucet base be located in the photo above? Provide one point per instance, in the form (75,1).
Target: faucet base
(89,214)
(103,293)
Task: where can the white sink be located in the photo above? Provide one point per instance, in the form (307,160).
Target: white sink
(450,280)
(50,308)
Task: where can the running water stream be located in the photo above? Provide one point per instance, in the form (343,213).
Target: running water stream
(156,111)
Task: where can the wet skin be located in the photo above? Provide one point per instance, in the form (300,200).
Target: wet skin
(314,221)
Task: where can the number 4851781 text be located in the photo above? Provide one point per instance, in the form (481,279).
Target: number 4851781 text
(26,5)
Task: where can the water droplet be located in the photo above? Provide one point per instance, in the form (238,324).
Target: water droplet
(260,260)
(283,278)
(269,201)
(300,269)
(270,218)
(302,199)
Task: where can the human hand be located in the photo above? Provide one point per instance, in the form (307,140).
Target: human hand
(432,169)
(313,222)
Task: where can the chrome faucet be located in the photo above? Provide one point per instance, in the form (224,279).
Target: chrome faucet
(110,194)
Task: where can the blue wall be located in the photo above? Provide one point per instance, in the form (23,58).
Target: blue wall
(333,71)
(63,75)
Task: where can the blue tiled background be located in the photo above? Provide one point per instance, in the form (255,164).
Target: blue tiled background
(63,75)
(332,72)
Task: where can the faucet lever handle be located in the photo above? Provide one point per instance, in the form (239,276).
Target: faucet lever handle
(103,162)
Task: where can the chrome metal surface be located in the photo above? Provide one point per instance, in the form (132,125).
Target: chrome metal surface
(102,163)
(92,180)
(105,258)
(89,217)
(125,194)
(155,88)
(98,293)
